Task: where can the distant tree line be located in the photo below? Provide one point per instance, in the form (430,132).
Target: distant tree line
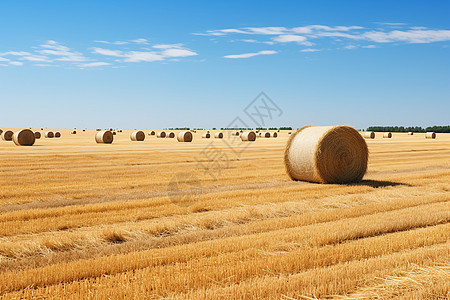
(438,129)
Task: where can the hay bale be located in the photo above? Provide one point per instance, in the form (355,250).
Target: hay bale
(24,137)
(84,130)
(206,135)
(326,154)
(248,136)
(161,134)
(37,135)
(410,133)
(218,135)
(369,135)
(152,133)
(1,131)
(430,135)
(138,136)
(57,134)
(49,135)
(74,132)
(387,135)
(275,134)
(264,134)
(170,135)
(104,137)
(7,135)
(184,136)
(114,133)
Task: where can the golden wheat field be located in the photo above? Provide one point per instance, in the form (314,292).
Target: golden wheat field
(220,219)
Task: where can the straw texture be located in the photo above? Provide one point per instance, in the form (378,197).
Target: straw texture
(7,135)
(184,136)
(430,135)
(161,134)
(218,135)
(248,136)
(24,137)
(137,136)
(104,137)
(387,135)
(369,135)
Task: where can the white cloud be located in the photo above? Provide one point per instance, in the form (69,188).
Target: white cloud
(309,50)
(107,52)
(94,64)
(15,53)
(290,38)
(178,53)
(409,36)
(369,46)
(167,46)
(35,58)
(350,47)
(62,52)
(266,30)
(112,43)
(140,41)
(3,59)
(247,55)
(16,63)
(140,56)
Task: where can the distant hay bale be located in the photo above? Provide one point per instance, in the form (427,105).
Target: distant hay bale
(410,133)
(369,134)
(161,134)
(170,135)
(114,133)
(326,154)
(218,135)
(74,132)
(104,137)
(237,133)
(206,135)
(430,135)
(1,131)
(98,129)
(7,135)
(387,135)
(184,136)
(264,134)
(152,133)
(37,135)
(84,130)
(275,134)
(138,136)
(248,136)
(49,134)
(24,137)
(57,134)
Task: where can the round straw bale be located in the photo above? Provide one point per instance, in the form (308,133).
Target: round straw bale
(114,133)
(218,135)
(57,134)
(430,135)
(49,134)
(387,135)
(275,134)
(137,136)
(206,135)
(7,135)
(326,154)
(248,136)
(152,133)
(410,133)
(237,133)
(74,132)
(104,137)
(37,135)
(264,134)
(369,134)
(184,136)
(170,135)
(24,137)
(1,131)
(161,134)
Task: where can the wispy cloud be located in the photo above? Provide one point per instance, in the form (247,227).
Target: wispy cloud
(94,64)
(309,50)
(248,55)
(288,38)
(16,63)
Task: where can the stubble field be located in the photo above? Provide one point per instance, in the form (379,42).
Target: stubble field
(220,219)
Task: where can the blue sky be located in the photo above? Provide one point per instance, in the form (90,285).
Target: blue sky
(155,64)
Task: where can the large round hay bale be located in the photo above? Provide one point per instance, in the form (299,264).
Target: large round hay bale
(161,134)
(152,133)
(37,135)
(138,136)
(170,135)
(104,137)
(49,134)
(369,134)
(264,134)
(430,135)
(275,134)
(326,154)
(57,134)
(410,133)
(248,136)
(218,135)
(7,135)
(24,137)
(387,135)
(184,136)
(74,132)
(206,135)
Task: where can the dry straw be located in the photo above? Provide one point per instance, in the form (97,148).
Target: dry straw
(184,136)
(137,136)
(74,132)
(387,135)
(430,135)
(24,137)
(369,134)
(326,154)
(49,134)
(57,134)
(206,135)
(410,133)
(170,135)
(7,135)
(275,134)
(1,131)
(264,134)
(161,134)
(152,133)
(37,135)
(104,137)
(248,136)
(218,135)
